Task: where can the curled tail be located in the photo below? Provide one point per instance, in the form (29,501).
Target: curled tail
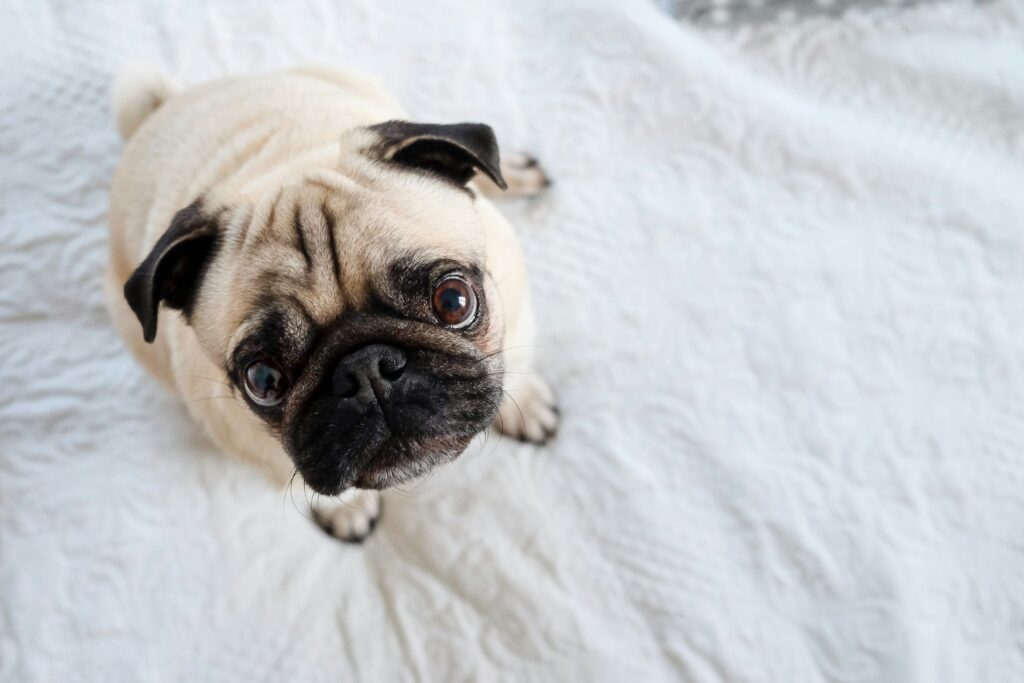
(137,94)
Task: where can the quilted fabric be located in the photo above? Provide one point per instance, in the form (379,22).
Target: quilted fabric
(780,290)
(727,12)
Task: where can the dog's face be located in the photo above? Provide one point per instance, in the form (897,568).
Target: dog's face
(351,310)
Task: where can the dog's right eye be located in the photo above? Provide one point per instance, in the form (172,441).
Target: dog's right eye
(265,383)
(454,302)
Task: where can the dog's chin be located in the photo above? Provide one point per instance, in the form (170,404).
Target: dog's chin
(398,461)
(401,461)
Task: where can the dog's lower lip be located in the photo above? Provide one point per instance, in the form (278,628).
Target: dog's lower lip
(371,477)
(363,483)
(375,473)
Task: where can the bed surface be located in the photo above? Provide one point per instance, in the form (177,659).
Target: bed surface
(780,288)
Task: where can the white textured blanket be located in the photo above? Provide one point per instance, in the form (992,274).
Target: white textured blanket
(780,283)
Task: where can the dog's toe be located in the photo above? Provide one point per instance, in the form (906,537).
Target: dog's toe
(351,517)
(524,174)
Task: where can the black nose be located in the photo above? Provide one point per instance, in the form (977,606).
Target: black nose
(369,373)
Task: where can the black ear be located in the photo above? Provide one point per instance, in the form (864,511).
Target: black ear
(172,271)
(455,151)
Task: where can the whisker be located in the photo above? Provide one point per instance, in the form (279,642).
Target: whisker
(508,348)
(212,379)
(200,399)
(501,427)
(290,492)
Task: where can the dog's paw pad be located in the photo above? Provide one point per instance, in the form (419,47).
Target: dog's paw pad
(350,517)
(529,413)
(524,175)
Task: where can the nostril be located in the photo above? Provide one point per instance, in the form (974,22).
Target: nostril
(345,385)
(391,367)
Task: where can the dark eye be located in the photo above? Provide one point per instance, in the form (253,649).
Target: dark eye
(265,383)
(454,302)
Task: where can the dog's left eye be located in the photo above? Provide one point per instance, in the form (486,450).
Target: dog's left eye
(265,383)
(454,302)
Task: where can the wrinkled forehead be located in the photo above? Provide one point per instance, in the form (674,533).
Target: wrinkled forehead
(406,213)
(326,249)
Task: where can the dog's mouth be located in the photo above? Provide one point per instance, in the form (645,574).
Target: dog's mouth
(403,460)
(378,462)
(387,442)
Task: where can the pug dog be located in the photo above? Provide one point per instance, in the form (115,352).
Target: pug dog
(332,273)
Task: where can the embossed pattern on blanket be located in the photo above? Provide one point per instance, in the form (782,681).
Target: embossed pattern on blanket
(737,12)
(780,287)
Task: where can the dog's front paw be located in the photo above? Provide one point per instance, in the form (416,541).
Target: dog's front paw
(524,175)
(349,517)
(529,412)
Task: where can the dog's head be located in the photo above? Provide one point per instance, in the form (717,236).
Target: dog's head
(351,310)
